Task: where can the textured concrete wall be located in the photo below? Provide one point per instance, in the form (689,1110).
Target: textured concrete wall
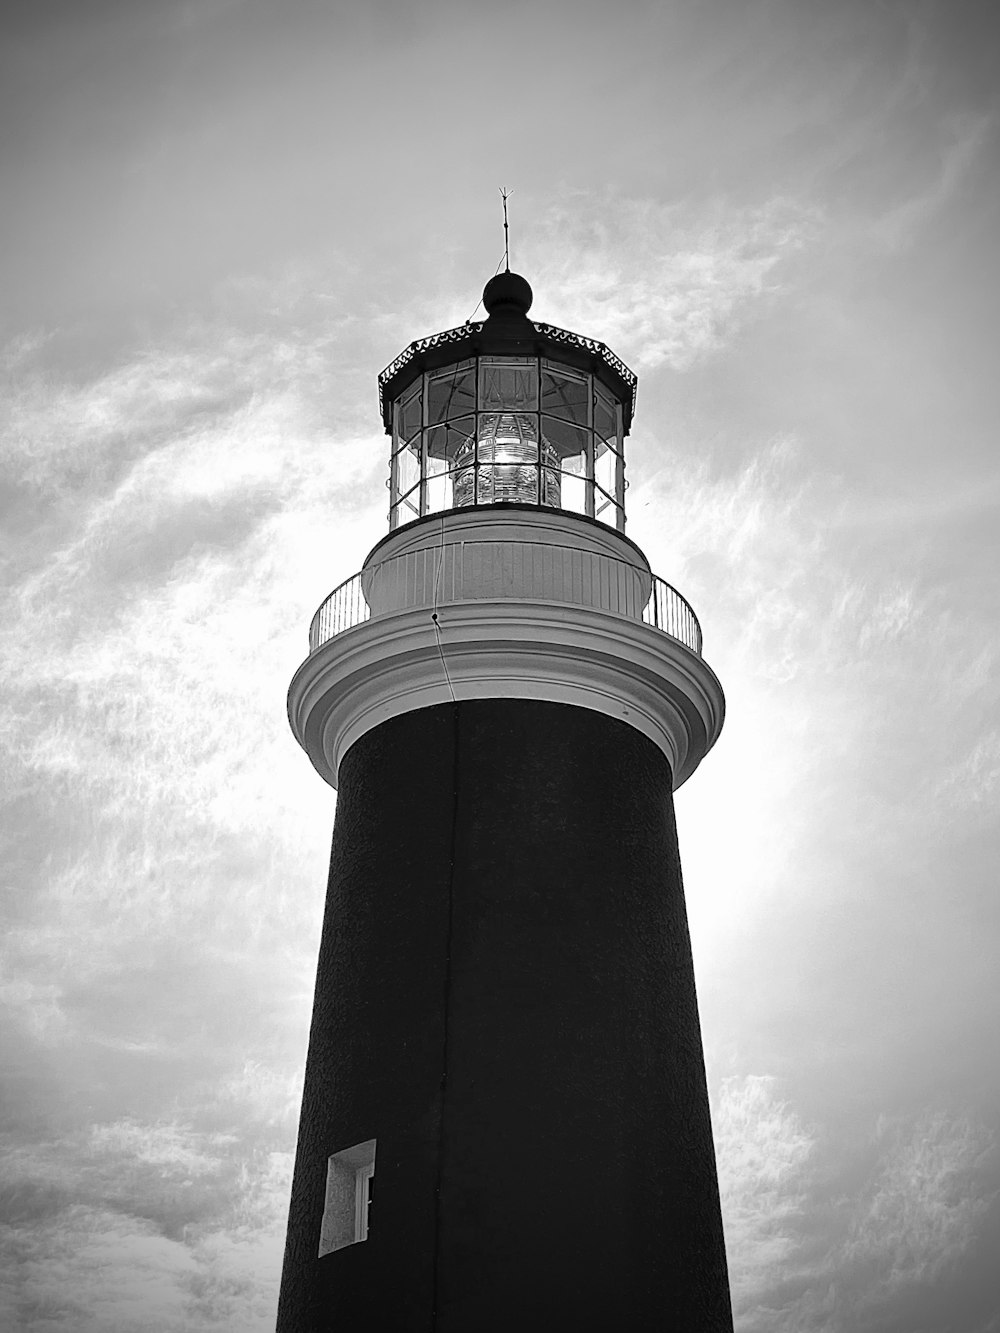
(505,1001)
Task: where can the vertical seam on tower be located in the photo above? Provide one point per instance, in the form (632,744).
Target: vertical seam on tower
(434,612)
(447,1010)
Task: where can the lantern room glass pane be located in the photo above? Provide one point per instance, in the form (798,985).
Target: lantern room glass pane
(408,474)
(410,410)
(602,502)
(606,417)
(565,395)
(605,467)
(573,491)
(451,393)
(551,488)
(508,384)
(440,491)
(446,441)
(568,444)
(564,438)
(409,505)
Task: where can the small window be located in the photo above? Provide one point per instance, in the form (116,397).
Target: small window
(349,1180)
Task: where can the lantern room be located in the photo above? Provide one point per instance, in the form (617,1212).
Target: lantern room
(507,411)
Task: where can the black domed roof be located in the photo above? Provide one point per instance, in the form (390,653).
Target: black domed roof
(507,293)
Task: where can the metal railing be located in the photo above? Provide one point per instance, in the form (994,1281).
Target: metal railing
(505,570)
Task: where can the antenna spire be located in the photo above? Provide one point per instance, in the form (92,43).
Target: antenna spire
(505,195)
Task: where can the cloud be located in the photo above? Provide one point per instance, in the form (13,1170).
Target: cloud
(808,1256)
(94,1271)
(764,1154)
(966,135)
(168,1147)
(974,779)
(143,1225)
(662,284)
(89,1270)
(175,532)
(801,606)
(923,1206)
(188,518)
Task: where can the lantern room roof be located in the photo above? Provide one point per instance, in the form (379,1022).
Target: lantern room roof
(507,332)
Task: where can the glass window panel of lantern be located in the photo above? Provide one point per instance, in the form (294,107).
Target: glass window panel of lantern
(463,481)
(508,384)
(451,393)
(447,442)
(408,468)
(552,488)
(563,439)
(409,505)
(572,493)
(482,491)
(605,467)
(573,483)
(409,412)
(436,467)
(606,418)
(463,464)
(602,504)
(440,488)
(565,395)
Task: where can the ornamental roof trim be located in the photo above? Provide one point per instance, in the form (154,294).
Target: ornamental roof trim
(472,332)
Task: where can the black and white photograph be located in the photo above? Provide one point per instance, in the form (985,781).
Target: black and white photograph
(499,723)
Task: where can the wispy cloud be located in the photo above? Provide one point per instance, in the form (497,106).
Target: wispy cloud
(140,1224)
(764,1154)
(805,1255)
(663,284)
(923,1206)
(974,779)
(966,136)
(148,636)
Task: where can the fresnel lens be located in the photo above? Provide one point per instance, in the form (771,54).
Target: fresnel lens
(508,455)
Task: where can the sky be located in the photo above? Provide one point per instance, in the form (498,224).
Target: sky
(218,221)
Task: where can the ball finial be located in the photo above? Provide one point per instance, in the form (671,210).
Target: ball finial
(507,294)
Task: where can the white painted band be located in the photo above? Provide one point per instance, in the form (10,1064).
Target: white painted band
(482,649)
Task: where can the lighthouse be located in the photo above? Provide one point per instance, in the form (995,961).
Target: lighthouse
(505,1121)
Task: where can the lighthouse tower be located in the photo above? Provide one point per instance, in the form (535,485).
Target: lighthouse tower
(505,1125)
